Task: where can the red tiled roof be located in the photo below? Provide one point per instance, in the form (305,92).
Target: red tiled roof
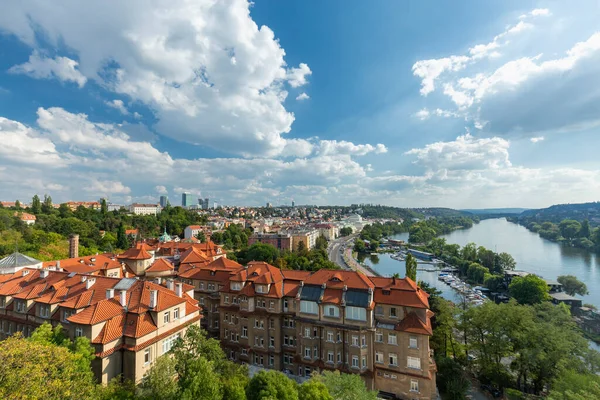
(295,275)
(224,262)
(193,255)
(403,292)
(135,253)
(413,324)
(160,265)
(338,279)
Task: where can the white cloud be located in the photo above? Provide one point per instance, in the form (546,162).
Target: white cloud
(334,147)
(423,114)
(540,12)
(302,96)
(21,144)
(40,67)
(161,189)
(536,139)
(118,105)
(297,76)
(178,63)
(107,188)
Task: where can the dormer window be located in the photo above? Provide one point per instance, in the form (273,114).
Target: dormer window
(212,273)
(236,285)
(386,292)
(335,279)
(20,306)
(261,289)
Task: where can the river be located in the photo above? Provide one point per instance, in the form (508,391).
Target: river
(532,254)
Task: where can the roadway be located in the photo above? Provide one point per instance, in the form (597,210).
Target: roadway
(335,249)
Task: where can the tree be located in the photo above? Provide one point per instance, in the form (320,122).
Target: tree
(572,385)
(271,385)
(313,390)
(201,237)
(529,289)
(346,231)
(18,205)
(159,382)
(47,205)
(321,242)
(122,242)
(506,262)
(476,272)
(411,267)
(469,252)
(585,230)
(572,285)
(36,205)
(569,228)
(451,379)
(35,370)
(359,246)
(259,252)
(345,386)
(103,206)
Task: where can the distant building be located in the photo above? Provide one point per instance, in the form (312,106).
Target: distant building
(186,199)
(193,230)
(280,241)
(205,204)
(143,209)
(293,204)
(163,201)
(73,205)
(29,219)
(16,262)
(114,207)
(309,238)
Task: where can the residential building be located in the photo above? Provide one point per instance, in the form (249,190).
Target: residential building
(192,231)
(186,199)
(163,201)
(329,231)
(308,237)
(144,209)
(130,323)
(100,265)
(281,241)
(114,207)
(27,218)
(16,261)
(300,322)
(73,205)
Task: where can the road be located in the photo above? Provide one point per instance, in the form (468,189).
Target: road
(336,249)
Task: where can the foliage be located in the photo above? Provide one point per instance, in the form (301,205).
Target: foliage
(258,252)
(346,231)
(271,385)
(476,272)
(572,285)
(572,385)
(529,289)
(159,382)
(411,267)
(233,237)
(378,231)
(451,379)
(345,386)
(313,390)
(425,230)
(33,369)
(360,246)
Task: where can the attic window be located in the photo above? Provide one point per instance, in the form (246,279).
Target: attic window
(212,272)
(335,279)
(254,274)
(386,292)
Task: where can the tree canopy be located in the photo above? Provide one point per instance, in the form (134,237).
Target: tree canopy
(528,289)
(572,285)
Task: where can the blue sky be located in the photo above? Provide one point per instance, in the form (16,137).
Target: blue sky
(459,104)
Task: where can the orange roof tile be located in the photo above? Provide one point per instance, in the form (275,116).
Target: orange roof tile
(339,279)
(160,265)
(413,324)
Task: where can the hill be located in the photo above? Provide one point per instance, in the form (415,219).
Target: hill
(485,211)
(559,212)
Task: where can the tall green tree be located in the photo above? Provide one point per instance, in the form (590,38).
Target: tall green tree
(569,228)
(36,205)
(17,204)
(345,386)
(585,231)
(271,385)
(122,242)
(103,206)
(159,382)
(47,206)
(201,237)
(505,262)
(313,390)
(529,289)
(572,285)
(411,267)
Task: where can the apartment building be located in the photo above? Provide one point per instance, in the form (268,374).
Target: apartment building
(308,237)
(144,209)
(299,322)
(208,279)
(278,240)
(129,322)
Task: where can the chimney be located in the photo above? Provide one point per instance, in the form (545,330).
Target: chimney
(153,298)
(90,282)
(44,273)
(123,298)
(58,268)
(179,289)
(110,293)
(74,246)
(170,284)
(394,280)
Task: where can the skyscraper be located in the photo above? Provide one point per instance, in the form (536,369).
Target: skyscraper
(186,199)
(163,201)
(205,204)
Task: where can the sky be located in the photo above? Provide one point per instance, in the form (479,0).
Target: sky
(464,104)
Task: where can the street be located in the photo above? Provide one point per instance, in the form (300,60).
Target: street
(336,249)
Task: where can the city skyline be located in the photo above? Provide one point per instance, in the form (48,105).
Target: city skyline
(323,103)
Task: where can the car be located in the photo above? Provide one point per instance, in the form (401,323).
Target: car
(495,392)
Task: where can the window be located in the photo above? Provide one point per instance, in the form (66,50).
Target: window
(355,341)
(330,357)
(272,341)
(339,337)
(364,361)
(271,324)
(201,301)
(392,339)
(147,357)
(332,312)
(379,337)
(356,313)
(307,332)
(363,341)
(236,285)
(414,386)
(235,300)
(260,289)
(169,343)
(285,304)
(211,286)
(226,299)
(244,352)
(271,360)
(354,361)
(271,304)
(20,306)
(393,360)
(167,317)
(244,331)
(78,331)
(201,285)
(307,352)
(379,357)
(413,362)
(315,352)
(378,310)
(315,332)
(176,313)
(339,357)
(393,312)
(309,307)
(44,310)
(2,302)
(413,343)
(329,336)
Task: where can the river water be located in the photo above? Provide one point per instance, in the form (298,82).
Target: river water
(532,254)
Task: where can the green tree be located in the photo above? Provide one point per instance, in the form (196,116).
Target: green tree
(313,390)
(258,252)
(17,204)
(36,205)
(359,246)
(345,386)
(451,379)
(271,385)
(572,285)
(159,382)
(506,262)
(411,267)
(469,252)
(585,231)
(122,242)
(569,228)
(346,231)
(103,206)
(529,289)
(35,370)
(572,385)
(476,272)
(321,243)
(47,205)
(201,237)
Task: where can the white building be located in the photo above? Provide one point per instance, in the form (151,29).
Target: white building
(16,262)
(191,231)
(144,209)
